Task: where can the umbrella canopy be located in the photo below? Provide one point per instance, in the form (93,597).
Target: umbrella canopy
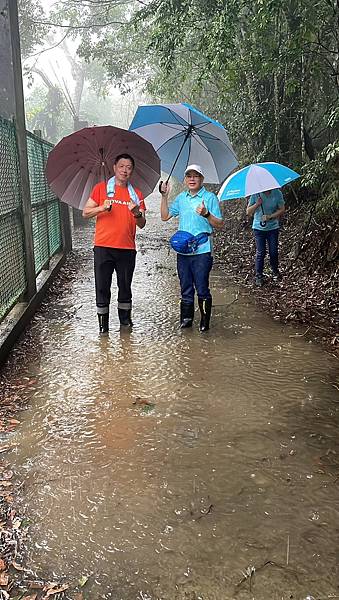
(182,135)
(85,157)
(256,178)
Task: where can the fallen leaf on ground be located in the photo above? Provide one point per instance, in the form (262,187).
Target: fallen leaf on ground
(148,407)
(36,585)
(25,523)
(4,578)
(17,567)
(2,565)
(142,402)
(83,580)
(56,590)
(17,523)
(7,474)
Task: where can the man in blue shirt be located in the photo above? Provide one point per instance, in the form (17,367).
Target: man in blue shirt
(198,211)
(266,209)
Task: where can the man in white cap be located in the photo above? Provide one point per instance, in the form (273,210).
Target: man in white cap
(199,212)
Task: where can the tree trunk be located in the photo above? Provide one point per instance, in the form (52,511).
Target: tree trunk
(302,110)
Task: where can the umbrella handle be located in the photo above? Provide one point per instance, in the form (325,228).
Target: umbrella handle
(160,184)
(262,223)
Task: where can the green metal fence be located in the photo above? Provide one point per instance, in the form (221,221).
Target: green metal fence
(12,257)
(46,220)
(45,206)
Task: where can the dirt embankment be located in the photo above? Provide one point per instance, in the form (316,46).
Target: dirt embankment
(308,294)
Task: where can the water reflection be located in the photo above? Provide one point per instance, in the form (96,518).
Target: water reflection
(165,463)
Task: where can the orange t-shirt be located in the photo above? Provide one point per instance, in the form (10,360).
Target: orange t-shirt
(115,228)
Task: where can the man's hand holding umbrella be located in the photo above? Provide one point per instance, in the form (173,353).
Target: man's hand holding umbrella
(135,210)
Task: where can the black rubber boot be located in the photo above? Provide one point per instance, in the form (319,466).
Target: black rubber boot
(103,323)
(125,316)
(186,315)
(205,310)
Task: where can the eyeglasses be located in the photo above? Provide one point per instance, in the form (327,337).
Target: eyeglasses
(192,176)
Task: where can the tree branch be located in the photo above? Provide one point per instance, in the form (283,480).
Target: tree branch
(50,47)
(73,27)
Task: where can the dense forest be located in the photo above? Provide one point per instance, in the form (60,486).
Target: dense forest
(268,71)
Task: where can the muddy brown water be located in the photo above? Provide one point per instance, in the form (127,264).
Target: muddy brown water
(234,463)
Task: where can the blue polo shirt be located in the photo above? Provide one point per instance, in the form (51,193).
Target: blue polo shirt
(270,203)
(184,206)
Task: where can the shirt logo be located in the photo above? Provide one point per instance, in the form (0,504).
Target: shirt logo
(114,201)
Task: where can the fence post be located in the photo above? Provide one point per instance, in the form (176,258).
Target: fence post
(66,228)
(22,147)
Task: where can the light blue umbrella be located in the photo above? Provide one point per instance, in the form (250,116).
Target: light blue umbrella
(256,178)
(182,135)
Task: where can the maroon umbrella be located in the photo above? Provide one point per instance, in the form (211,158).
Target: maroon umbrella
(85,157)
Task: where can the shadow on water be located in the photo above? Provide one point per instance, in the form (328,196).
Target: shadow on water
(165,464)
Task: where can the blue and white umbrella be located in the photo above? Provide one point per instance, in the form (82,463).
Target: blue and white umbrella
(182,135)
(256,178)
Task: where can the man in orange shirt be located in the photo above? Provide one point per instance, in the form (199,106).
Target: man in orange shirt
(119,209)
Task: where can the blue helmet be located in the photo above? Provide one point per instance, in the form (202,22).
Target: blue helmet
(186,243)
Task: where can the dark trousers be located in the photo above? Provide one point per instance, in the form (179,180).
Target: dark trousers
(271,238)
(106,261)
(193,271)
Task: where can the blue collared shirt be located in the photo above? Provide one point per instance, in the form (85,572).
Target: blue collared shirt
(270,203)
(184,205)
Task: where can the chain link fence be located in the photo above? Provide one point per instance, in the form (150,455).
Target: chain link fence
(45,206)
(46,221)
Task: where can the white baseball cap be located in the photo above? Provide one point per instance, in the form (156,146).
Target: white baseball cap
(196,168)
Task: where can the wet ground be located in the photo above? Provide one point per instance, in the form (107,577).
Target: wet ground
(167,464)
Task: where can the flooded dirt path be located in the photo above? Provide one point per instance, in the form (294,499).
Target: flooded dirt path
(165,464)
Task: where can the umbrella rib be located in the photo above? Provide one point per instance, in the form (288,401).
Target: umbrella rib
(176,116)
(215,139)
(200,142)
(175,137)
(170,126)
(164,124)
(202,124)
(89,145)
(208,135)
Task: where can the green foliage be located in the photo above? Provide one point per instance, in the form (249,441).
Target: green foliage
(45,111)
(268,70)
(32,29)
(321,176)
(106,38)
(268,64)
